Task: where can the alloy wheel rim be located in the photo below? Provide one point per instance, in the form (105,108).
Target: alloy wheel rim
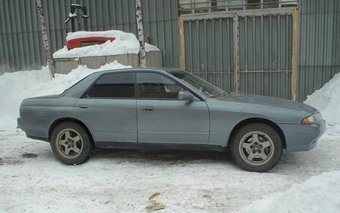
(256,148)
(69,143)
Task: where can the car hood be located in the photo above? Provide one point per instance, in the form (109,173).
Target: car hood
(268,101)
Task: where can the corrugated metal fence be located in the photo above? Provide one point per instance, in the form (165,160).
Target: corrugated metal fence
(319,58)
(264,40)
(209,50)
(20,36)
(265,54)
(265,50)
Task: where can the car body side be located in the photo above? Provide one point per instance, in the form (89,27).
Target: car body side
(39,115)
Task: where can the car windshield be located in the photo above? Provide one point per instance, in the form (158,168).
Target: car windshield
(208,89)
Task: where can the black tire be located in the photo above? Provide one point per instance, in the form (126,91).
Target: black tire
(265,135)
(84,145)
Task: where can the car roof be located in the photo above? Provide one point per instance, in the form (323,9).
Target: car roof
(162,69)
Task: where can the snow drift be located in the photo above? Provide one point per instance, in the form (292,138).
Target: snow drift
(24,84)
(125,43)
(318,194)
(327,101)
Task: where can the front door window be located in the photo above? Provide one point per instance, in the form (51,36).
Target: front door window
(156,86)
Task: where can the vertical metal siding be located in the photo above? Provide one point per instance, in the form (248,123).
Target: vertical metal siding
(266,49)
(161,28)
(3,38)
(265,55)
(265,52)
(209,50)
(20,35)
(319,58)
(265,42)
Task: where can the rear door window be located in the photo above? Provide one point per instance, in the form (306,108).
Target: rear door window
(113,85)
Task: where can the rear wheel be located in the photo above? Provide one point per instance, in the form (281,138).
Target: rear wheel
(256,147)
(71,144)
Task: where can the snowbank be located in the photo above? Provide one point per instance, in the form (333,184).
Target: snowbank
(327,101)
(318,194)
(23,84)
(125,43)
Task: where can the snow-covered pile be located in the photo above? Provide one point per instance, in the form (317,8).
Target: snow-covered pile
(23,84)
(124,43)
(327,101)
(318,194)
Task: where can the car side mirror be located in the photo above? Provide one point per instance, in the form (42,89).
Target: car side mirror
(185,95)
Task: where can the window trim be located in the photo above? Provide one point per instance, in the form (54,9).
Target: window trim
(83,96)
(196,96)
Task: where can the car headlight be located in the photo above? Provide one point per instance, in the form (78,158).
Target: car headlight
(313,119)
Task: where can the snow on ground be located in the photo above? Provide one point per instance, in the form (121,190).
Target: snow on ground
(125,43)
(318,194)
(32,180)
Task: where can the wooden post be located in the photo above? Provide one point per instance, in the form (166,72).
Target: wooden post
(295,52)
(237,53)
(181,43)
(44,36)
(140,32)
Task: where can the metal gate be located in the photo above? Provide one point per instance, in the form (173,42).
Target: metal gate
(241,51)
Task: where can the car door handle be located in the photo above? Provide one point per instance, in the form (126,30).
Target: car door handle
(148,109)
(82,106)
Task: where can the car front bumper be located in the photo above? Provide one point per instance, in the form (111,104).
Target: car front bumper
(301,137)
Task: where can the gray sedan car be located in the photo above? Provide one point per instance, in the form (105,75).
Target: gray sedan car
(168,109)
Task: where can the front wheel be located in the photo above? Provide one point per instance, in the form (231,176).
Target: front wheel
(256,147)
(71,144)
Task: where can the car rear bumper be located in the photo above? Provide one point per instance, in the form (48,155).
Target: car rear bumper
(30,133)
(20,124)
(301,137)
